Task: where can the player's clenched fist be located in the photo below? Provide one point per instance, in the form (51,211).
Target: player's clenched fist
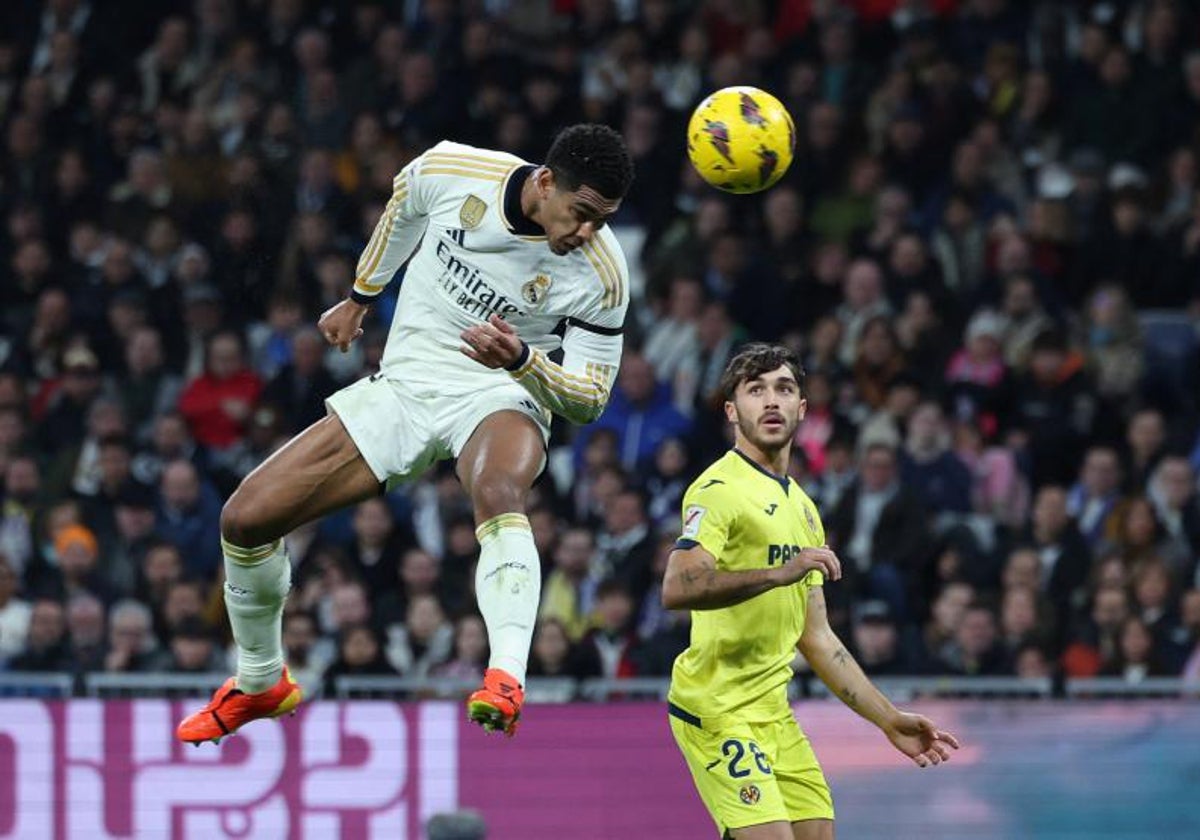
(342,323)
(821,559)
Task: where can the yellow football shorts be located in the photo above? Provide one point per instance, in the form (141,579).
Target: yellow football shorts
(753,773)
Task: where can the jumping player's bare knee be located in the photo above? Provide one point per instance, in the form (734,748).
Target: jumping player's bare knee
(497,493)
(239,525)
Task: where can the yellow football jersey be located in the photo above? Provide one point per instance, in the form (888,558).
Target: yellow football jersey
(738,662)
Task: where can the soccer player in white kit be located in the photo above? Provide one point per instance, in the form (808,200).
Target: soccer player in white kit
(504,255)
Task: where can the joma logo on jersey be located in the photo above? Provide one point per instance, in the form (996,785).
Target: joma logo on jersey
(780,554)
(466,285)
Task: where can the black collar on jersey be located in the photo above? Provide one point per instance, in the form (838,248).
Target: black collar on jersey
(783,480)
(514,217)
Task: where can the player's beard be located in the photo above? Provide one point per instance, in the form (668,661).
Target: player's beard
(767,442)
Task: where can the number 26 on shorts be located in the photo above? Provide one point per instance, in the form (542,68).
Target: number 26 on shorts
(735,751)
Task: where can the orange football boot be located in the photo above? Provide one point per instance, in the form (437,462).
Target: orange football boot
(231,708)
(497,706)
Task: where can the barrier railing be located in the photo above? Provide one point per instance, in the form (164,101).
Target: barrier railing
(1117,687)
(131,686)
(563,690)
(903,689)
(22,684)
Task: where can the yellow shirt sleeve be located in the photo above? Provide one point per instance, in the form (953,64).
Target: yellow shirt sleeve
(707,517)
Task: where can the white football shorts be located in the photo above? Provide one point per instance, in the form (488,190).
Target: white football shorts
(402,428)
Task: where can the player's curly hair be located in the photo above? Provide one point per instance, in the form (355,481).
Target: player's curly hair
(592,154)
(753,360)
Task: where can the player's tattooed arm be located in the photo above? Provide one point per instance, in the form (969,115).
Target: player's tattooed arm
(693,582)
(835,666)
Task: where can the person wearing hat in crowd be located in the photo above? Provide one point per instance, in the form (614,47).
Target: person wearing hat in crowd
(133,513)
(1054,406)
(77,555)
(977,375)
(65,412)
(203,314)
(876,640)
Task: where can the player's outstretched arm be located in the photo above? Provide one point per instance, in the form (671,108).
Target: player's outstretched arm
(912,734)
(693,581)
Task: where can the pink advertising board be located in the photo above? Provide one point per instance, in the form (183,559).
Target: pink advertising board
(362,770)
(96,770)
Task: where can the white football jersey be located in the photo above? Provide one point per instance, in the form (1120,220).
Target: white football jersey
(458,208)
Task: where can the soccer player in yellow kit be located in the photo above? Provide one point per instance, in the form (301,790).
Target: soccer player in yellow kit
(750,563)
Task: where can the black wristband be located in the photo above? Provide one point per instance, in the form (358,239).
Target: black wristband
(359,297)
(521,359)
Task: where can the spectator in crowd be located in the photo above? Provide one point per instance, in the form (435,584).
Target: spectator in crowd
(305,662)
(1145,441)
(15,612)
(945,615)
(188,516)
(612,640)
(1135,658)
(18,507)
(1053,409)
(553,655)
(999,490)
(1023,620)
(568,594)
(1173,490)
(976,649)
(876,641)
(1135,531)
(674,337)
(640,412)
(375,544)
(470,650)
(359,654)
(1097,639)
(424,641)
(930,466)
(419,574)
(1094,498)
(146,388)
(624,545)
(131,644)
(301,385)
(1063,552)
(87,633)
(218,403)
(879,530)
(46,641)
(666,482)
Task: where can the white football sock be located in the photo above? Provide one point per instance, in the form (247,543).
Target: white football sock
(257,581)
(508,583)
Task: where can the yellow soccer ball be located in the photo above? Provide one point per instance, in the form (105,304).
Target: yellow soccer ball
(741,139)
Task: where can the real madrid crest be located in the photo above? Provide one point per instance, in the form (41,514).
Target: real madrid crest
(534,292)
(472,212)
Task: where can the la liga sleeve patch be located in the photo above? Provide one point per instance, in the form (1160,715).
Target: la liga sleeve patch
(692,517)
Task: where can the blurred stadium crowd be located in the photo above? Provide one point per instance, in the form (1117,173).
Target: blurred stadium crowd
(987,252)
